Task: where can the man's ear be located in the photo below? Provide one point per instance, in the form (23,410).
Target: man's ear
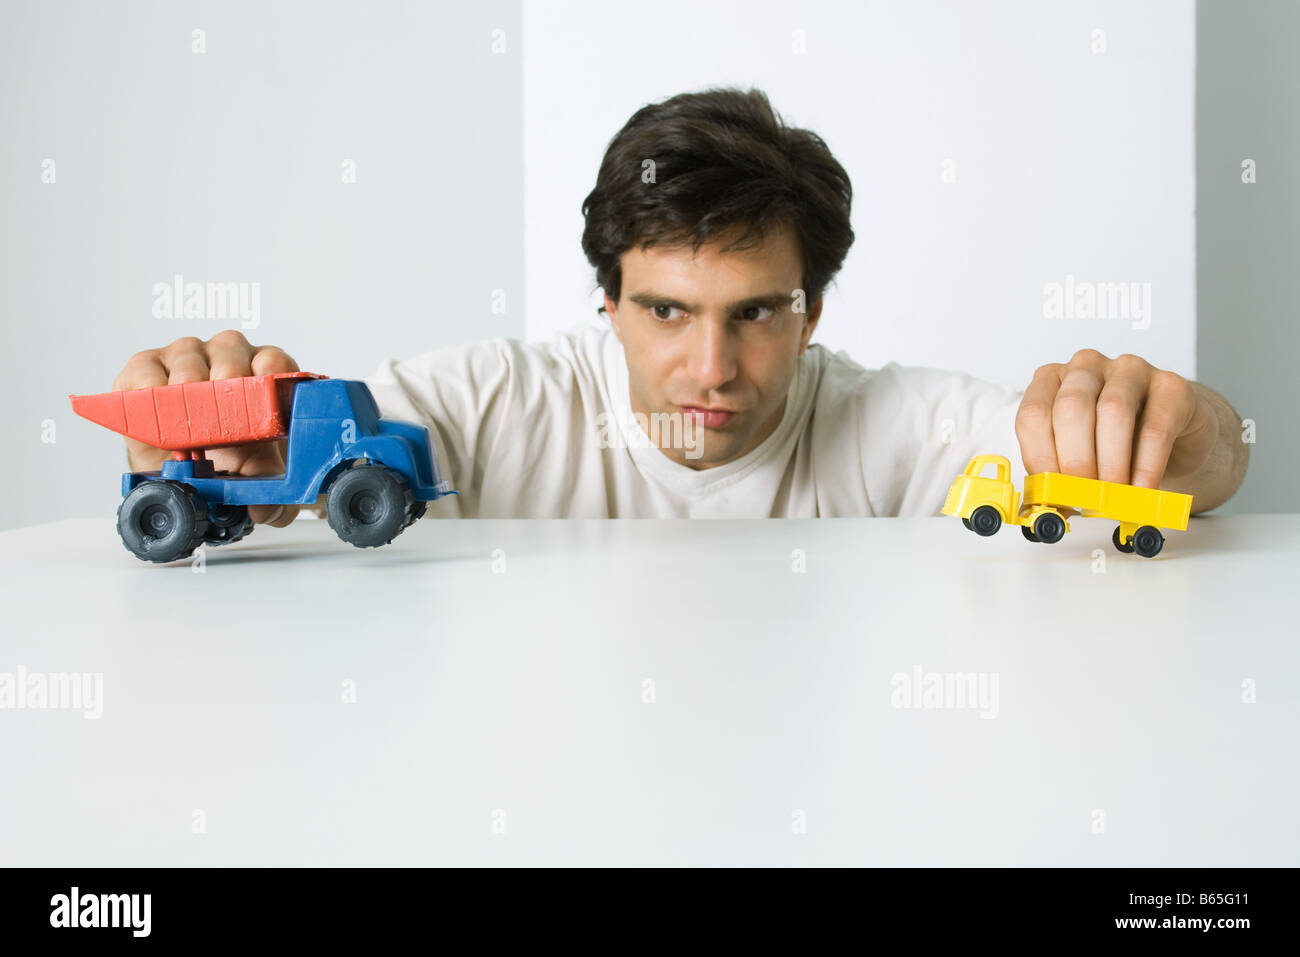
(809,324)
(611,313)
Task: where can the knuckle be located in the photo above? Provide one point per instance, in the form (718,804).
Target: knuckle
(1113,407)
(1165,380)
(132,375)
(228,337)
(1031,415)
(1074,400)
(273,357)
(1086,355)
(184,346)
(1047,369)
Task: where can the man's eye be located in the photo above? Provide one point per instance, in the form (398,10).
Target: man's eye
(664,312)
(756,313)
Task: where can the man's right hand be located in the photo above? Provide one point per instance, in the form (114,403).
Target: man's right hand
(227,355)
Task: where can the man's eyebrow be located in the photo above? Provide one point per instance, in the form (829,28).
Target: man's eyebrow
(770,300)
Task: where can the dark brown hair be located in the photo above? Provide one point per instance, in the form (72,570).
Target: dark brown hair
(723,160)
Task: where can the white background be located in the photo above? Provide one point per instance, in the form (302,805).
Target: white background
(226,166)
(472,167)
(1066,161)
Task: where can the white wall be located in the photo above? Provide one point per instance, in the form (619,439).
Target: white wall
(1067,161)
(227,166)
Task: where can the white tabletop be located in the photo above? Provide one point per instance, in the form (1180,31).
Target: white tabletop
(501,716)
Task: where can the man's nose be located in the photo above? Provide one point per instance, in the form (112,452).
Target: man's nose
(713,354)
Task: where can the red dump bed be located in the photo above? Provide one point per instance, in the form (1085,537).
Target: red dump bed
(198,415)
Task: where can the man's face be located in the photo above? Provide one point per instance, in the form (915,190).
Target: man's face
(711,340)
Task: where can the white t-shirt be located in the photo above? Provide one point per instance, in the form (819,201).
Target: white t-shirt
(527,430)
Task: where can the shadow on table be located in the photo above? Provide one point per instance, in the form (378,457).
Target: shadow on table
(387,555)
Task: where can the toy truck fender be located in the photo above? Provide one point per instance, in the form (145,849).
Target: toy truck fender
(401,446)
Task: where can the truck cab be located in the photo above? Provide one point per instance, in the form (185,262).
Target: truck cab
(973,489)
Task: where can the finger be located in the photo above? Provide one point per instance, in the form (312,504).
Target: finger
(264,458)
(277,516)
(271,359)
(255,458)
(1118,407)
(142,371)
(1034,421)
(186,361)
(1169,409)
(1074,421)
(229,355)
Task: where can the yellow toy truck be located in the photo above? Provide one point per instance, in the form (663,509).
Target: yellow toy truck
(985,502)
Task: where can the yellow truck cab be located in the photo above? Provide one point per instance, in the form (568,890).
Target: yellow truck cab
(992,496)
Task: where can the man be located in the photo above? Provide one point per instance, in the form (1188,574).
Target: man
(699,394)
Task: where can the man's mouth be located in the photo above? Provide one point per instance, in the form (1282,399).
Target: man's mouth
(709,418)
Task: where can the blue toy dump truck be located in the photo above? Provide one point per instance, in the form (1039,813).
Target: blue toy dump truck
(377,475)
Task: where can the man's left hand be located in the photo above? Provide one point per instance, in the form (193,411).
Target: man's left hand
(1119,420)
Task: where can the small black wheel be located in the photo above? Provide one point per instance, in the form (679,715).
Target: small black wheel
(1049,527)
(966,522)
(985,520)
(1028,532)
(1125,548)
(1147,541)
(415,512)
(367,505)
(227,523)
(162,521)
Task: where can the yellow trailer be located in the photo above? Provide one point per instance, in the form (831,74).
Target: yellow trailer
(985,502)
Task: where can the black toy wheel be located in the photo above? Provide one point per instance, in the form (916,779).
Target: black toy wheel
(985,520)
(227,523)
(162,521)
(415,512)
(368,505)
(1114,537)
(1028,532)
(1049,527)
(1147,541)
(966,522)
